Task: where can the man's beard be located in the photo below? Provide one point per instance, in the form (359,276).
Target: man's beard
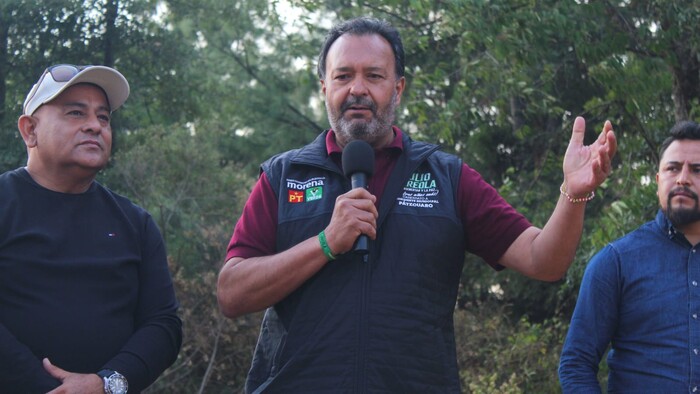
(347,130)
(682,216)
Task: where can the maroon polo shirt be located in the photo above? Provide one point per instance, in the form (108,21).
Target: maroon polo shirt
(490,223)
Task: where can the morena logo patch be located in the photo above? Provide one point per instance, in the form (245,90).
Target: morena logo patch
(305,191)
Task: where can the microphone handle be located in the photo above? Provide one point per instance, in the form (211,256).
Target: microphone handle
(362,245)
(359,179)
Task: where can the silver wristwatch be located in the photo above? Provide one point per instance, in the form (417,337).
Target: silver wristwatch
(115,383)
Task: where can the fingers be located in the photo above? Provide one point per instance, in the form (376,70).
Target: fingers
(611,140)
(608,146)
(587,166)
(578,131)
(357,212)
(601,167)
(53,370)
(607,126)
(607,138)
(354,214)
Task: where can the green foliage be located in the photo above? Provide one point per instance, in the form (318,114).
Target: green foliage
(497,356)
(261,75)
(177,173)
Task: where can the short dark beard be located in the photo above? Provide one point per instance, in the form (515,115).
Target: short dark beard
(680,217)
(372,131)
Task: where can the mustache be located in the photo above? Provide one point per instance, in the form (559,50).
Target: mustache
(363,101)
(683,191)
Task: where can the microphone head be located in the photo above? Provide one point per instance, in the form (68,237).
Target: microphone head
(358,156)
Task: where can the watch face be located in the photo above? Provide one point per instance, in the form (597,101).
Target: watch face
(117,384)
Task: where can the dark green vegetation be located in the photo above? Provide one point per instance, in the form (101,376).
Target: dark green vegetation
(220,85)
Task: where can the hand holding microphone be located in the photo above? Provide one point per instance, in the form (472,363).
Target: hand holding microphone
(358,165)
(354,219)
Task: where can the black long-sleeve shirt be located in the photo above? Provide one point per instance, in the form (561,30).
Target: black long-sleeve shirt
(84,281)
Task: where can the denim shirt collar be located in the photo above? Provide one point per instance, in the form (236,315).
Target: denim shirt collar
(665,224)
(667,228)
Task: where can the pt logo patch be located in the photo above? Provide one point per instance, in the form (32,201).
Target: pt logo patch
(306,190)
(296,196)
(420,191)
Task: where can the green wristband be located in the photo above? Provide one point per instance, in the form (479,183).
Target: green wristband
(324,246)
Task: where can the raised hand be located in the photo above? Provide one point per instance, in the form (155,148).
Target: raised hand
(586,167)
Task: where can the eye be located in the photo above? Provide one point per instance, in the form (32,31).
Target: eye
(104,118)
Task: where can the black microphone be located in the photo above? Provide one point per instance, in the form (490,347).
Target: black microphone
(358,165)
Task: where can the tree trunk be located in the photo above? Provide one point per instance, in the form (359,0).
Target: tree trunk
(686,80)
(4,61)
(111,10)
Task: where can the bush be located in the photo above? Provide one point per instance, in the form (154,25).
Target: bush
(497,356)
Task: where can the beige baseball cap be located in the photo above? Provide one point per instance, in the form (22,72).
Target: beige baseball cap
(60,77)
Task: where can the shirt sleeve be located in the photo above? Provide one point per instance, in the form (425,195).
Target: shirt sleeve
(592,324)
(255,233)
(21,372)
(490,223)
(156,341)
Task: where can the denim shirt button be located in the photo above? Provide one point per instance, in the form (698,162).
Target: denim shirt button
(695,351)
(695,315)
(695,283)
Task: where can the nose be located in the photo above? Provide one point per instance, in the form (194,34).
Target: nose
(92,124)
(683,176)
(358,87)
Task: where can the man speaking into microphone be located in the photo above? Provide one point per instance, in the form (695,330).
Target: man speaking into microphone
(335,323)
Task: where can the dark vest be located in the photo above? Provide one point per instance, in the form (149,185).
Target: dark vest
(384,325)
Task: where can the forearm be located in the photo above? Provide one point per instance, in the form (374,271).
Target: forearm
(149,351)
(155,342)
(576,381)
(578,364)
(20,370)
(546,254)
(577,374)
(253,284)
(554,249)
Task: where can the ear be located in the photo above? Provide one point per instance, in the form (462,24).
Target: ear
(27,128)
(657,184)
(323,86)
(400,86)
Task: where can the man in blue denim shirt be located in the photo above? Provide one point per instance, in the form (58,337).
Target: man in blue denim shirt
(641,294)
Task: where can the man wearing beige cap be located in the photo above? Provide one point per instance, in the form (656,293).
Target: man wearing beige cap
(86,299)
